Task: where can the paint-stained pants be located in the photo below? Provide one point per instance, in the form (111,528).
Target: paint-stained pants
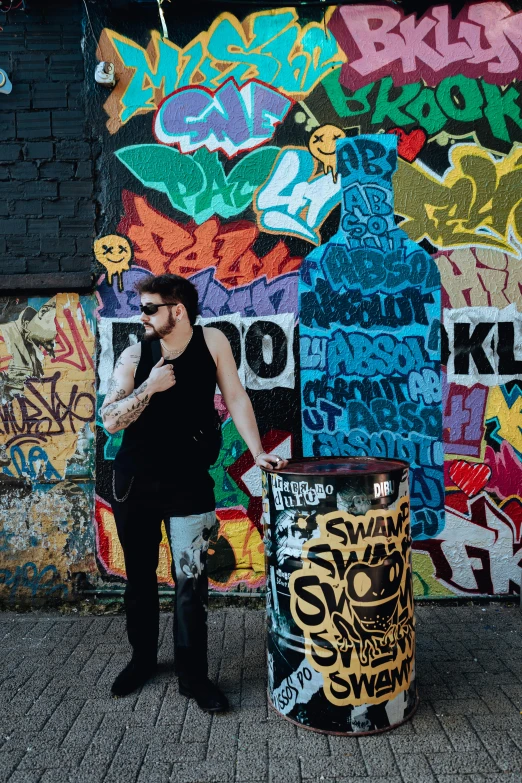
(138,521)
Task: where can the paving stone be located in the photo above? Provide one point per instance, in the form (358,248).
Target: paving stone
(284,771)
(251,766)
(461,762)
(155,772)
(334,766)
(414,768)
(55,699)
(378,756)
(207,771)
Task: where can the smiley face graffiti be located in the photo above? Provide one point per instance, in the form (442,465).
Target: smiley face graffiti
(322,146)
(114,252)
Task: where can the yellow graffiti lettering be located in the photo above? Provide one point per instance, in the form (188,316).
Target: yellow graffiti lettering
(353,601)
(509,416)
(477,202)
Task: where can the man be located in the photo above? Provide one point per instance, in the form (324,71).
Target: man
(162,395)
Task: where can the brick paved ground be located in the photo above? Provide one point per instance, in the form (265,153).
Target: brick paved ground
(58,722)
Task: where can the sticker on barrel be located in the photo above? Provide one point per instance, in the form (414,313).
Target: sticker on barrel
(353,601)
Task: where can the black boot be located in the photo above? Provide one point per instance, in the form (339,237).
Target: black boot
(133,676)
(207,695)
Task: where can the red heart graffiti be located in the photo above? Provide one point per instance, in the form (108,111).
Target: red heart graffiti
(409,144)
(470,477)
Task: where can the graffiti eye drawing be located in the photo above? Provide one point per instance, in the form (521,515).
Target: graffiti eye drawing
(362,584)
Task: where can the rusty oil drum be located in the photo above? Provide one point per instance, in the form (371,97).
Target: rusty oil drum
(341,627)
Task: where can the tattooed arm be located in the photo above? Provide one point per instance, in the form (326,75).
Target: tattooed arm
(123,403)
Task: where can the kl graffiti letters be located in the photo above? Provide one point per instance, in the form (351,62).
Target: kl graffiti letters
(355,607)
(484,345)
(198,185)
(230,120)
(372,299)
(271,46)
(378,40)
(164,245)
(458,106)
(477,202)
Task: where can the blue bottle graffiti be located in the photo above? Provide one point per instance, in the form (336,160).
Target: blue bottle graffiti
(369,309)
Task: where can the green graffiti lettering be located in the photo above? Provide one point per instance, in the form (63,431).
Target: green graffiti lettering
(197,185)
(427,112)
(458,105)
(460,98)
(499,105)
(391,108)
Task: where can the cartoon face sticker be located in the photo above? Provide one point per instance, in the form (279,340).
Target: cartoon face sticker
(114,252)
(322,146)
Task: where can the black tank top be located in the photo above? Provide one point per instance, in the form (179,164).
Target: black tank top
(160,443)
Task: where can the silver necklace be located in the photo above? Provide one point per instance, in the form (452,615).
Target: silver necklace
(172,354)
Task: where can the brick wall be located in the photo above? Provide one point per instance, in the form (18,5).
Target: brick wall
(47,210)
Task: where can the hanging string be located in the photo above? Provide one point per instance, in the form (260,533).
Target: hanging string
(162,18)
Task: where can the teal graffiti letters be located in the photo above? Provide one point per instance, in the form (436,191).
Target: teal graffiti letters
(198,185)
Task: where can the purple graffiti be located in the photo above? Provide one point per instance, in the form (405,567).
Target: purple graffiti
(463,422)
(258,298)
(120,304)
(261,297)
(485,40)
(231,119)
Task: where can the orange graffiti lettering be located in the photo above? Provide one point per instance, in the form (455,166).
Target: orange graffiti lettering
(163,245)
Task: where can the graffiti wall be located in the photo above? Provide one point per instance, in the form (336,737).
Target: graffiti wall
(47,413)
(229,155)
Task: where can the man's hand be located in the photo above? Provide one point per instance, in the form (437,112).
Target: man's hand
(161,377)
(270,461)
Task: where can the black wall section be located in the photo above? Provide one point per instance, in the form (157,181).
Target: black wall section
(47,209)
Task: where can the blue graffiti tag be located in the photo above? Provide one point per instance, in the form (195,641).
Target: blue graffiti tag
(369,301)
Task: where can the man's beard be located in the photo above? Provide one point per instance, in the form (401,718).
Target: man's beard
(158,334)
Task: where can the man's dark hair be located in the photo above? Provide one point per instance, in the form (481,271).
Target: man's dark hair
(172,288)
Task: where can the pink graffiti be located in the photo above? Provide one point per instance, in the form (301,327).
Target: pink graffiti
(506,470)
(78,354)
(479,551)
(485,40)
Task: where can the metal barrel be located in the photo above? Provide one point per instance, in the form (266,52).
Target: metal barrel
(340,620)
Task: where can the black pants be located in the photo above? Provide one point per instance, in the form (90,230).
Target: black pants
(138,521)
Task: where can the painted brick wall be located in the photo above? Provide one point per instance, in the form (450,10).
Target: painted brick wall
(47,210)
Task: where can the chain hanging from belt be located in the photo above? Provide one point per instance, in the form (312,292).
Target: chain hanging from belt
(126,495)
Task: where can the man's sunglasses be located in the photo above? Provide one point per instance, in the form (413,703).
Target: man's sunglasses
(152,309)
